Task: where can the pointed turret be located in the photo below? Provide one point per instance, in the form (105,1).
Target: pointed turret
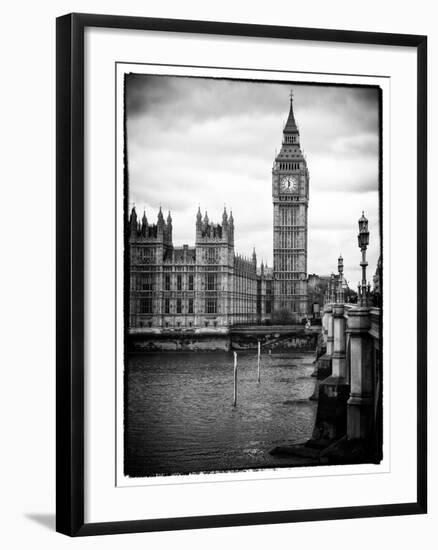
(206,218)
(291,125)
(169,228)
(225,217)
(160,224)
(254,257)
(160,218)
(231,228)
(144,224)
(198,224)
(133,221)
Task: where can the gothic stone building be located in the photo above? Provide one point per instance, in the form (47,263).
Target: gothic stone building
(205,286)
(290,195)
(209,286)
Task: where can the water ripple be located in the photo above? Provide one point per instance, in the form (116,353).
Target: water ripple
(180,419)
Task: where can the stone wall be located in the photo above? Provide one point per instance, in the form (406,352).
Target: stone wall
(275,338)
(174,342)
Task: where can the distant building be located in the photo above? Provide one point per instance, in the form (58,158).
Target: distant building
(322,286)
(316,289)
(377,278)
(204,286)
(317,283)
(377,284)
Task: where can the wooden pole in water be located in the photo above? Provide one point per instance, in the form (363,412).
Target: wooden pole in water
(258,361)
(235,380)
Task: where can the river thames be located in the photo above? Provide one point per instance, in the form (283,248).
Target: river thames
(180,419)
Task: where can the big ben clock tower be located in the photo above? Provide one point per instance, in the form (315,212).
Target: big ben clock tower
(290,196)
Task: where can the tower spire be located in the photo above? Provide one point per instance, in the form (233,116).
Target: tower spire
(290,182)
(160,222)
(144,224)
(291,125)
(133,221)
(225,217)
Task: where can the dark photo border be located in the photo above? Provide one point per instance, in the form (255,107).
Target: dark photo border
(70,273)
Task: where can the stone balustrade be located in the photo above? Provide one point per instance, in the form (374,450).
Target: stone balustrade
(360,404)
(339,359)
(329,321)
(349,394)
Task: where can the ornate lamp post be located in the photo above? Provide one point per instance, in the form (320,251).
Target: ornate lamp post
(340,297)
(363,241)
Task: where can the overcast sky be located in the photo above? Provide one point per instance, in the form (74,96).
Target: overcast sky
(210,142)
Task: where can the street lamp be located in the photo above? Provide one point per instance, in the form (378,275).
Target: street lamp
(341,280)
(363,239)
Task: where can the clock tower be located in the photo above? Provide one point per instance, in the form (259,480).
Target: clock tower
(290,196)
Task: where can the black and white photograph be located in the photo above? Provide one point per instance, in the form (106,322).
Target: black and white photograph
(253,264)
(217,271)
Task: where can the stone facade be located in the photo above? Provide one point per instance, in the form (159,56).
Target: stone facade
(290,195)
(207,286)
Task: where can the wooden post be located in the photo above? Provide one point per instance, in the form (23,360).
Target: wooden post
(258,361)
(235,380)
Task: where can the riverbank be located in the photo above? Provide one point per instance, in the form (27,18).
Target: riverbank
(292,337)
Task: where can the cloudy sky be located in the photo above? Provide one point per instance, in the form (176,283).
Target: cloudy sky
(212,142)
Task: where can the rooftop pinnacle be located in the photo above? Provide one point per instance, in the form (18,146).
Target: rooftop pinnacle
(291,125)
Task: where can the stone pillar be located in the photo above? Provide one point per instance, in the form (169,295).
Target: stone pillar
(333,391)
(339,360)
(324,323)
(329,330)
(360,403)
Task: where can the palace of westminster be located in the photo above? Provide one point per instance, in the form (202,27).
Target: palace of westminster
(209,285)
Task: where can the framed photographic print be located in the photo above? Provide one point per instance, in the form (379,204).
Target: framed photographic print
(241,333)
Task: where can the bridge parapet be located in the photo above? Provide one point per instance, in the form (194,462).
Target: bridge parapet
(359,417)
(349,394)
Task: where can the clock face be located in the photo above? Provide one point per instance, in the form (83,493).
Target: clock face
(289,184)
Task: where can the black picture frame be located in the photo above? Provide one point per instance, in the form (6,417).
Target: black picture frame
(70,272)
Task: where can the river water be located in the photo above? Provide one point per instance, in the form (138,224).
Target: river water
(180,417)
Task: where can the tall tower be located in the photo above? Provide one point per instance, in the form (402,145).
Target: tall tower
(290,196)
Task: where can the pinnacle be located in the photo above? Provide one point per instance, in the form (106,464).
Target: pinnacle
(291,125)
